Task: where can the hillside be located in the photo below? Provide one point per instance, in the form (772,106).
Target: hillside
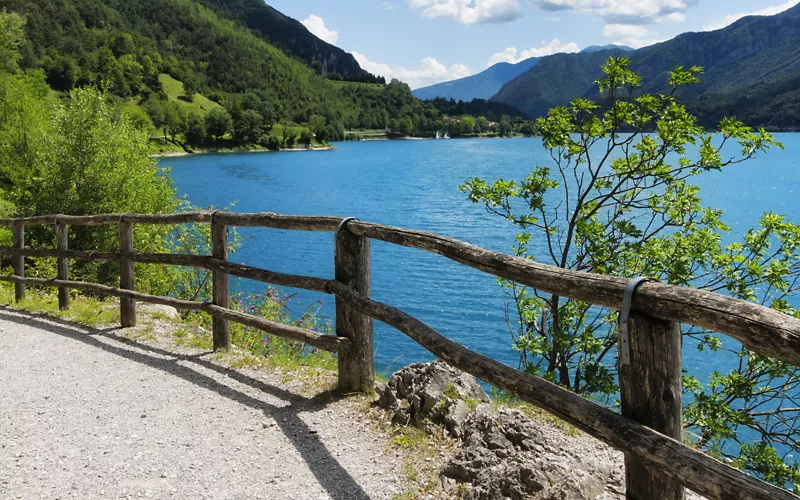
(752,70)
(153,49)
(480,86)
(288,34)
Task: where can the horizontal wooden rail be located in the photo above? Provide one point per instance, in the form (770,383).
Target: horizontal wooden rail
(324,342)
(692,468)
(270,220)
(758,328)
(202,261)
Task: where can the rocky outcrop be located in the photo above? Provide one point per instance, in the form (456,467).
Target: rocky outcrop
(505,454)
(432,393)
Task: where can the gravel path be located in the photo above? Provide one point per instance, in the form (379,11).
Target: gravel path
(86,414)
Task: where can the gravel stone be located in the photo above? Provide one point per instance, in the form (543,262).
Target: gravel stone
(88,414)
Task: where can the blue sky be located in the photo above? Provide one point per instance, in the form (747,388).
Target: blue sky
(423,42)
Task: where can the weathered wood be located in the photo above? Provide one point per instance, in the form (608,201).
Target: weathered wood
(241,270)
(127,306)
(324,342)
(221,285)
(650,393)
(94,220)
(277,221)
(18,237)
(62,243)
(352,261)
(759,328)
(265,219)
(690,467)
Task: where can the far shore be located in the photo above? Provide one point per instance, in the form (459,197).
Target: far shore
(175,154)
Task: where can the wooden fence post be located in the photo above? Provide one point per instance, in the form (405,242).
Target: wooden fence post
(221,285)
(62,244)
(650,393)
(127,307)
(18,236)
(352,261)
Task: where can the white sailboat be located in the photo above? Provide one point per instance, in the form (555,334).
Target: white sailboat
(446,135)
(438,136)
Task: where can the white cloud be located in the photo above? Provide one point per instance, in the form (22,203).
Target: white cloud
(623,11)
(469,11)
(316,25)
(513,56)
(429,72)
(632,35)
(767,11)
(388,5)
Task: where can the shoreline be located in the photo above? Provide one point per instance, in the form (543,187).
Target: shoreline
(177,154)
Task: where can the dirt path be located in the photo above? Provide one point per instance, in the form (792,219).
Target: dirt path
(87,414)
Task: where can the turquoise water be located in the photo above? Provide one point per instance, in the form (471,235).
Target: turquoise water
(414,184)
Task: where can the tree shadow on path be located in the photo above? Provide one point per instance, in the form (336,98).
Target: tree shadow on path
(330,474)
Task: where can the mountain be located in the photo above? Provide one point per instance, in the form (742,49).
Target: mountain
(480,86)
(290,35)
(599,48)
(752,71)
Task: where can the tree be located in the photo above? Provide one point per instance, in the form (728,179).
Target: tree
(12,35)
(482,124)
(618,201)
(195,129)
(504,127)
(467,124)
(86,159)
(218,122)
(247,126)
(189,90)
(174,119)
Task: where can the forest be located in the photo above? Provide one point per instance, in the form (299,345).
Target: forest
(194,76)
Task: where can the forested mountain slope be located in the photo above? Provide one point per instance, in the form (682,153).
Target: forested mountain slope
(124,46)
(290,35)
(752,70)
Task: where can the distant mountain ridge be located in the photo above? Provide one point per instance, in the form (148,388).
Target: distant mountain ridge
(611,46)
(752,71)
(479,86)
(488,82)
(290,35)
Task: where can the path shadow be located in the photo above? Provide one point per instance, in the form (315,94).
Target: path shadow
(330,474)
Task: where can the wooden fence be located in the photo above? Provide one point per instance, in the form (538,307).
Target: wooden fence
(649,431)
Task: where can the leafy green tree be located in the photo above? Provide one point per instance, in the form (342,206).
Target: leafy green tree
(189,90)
(89,159)
(618,200)
(174,119)
(504,127)
(12,36)
(528,129)
(247,126)
(468,124)
(195,129)
(218,122)
(482,124)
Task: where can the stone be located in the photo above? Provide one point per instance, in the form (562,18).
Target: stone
(168,312)
(434,392)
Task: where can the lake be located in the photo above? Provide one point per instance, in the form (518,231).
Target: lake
(414,184)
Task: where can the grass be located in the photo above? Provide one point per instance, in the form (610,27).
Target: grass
(340,84)
(84,310)
(174,90)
